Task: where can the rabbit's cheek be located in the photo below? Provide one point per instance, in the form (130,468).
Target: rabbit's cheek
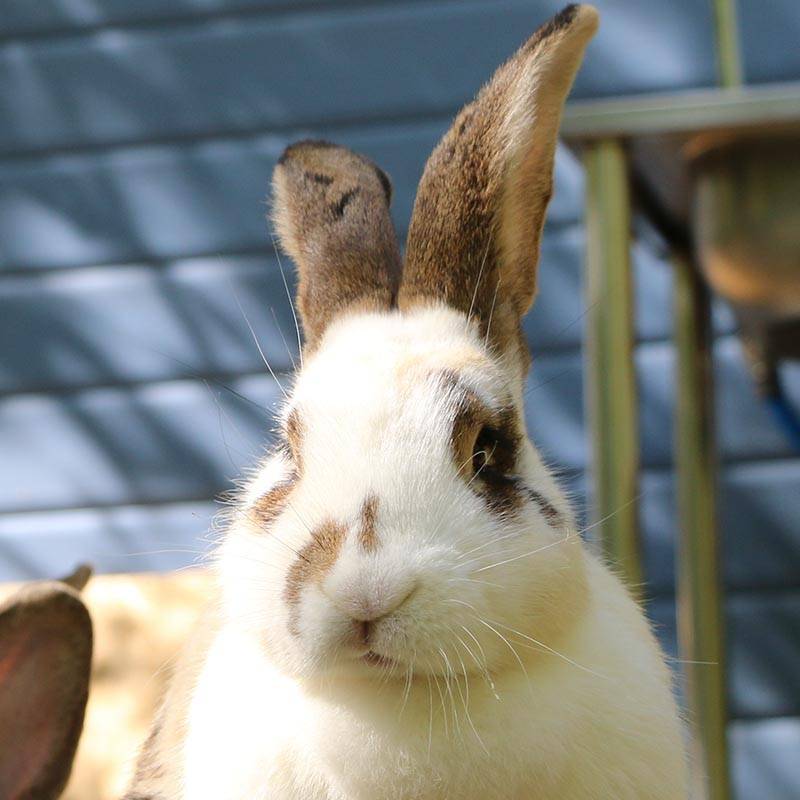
(310,567)
(324,634)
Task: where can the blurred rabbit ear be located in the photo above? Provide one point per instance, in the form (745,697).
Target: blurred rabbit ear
(45,661)
(474,237)
(331,212)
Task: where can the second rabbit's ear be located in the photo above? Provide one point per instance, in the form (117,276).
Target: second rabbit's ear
(331,212)
(45,661)
(473,242)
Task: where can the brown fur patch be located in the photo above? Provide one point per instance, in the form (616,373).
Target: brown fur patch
(549,511)
(331,212)
(313,562)
(270,506)
(474,237)
(367,534)
(293,433)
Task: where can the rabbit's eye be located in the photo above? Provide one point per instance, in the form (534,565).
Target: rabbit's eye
(483,448)
(493,456)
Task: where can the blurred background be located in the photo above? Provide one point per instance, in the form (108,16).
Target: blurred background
(136,149)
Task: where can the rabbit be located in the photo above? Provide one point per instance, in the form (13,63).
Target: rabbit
(45,661)
(405,606)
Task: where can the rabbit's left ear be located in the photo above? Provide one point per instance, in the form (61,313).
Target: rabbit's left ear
(473,242)
(331,212)
(45,661)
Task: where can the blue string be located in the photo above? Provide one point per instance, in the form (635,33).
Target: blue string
(783,413)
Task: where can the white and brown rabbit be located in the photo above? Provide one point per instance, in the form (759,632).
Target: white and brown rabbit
(45,661)
(406,609)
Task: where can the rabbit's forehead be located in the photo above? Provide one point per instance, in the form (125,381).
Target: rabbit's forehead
(371,360)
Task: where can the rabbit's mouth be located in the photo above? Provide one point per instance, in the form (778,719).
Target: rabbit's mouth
(377,660)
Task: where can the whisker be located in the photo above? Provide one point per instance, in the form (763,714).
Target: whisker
(552,378)
(561,331)
(466,701)
(551,650)
(486,461)
(478,283)
(283,338)
(465,579)
(448,685)
(165,551)
(674,660)
(444,707)
(510,647)
(491,313)
(609,516)
(524,555)
(291,303)
(489,543)
(495,631)
(258,347)
(244,513)
(220,414)
(407,687)
(430,715)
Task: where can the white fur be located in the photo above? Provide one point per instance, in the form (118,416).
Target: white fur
(576,704)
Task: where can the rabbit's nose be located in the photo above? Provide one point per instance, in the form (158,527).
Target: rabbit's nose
(366,614)
(372,609)
(366,606)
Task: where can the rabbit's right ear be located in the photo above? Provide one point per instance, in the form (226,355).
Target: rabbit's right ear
(45,661)
(331,212)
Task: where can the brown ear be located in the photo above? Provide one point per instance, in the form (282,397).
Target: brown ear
(331,212)
(474,237)
(45,661)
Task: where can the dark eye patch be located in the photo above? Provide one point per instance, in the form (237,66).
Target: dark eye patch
(495,452)
(495,463)
(486,445)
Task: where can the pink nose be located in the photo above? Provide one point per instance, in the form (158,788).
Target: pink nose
(365,614)
(366,608)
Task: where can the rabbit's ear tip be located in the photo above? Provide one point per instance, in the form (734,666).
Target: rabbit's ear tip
(79,577)
(585,11)
(576,20)
(582,13)
(296,148)
(587,17)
